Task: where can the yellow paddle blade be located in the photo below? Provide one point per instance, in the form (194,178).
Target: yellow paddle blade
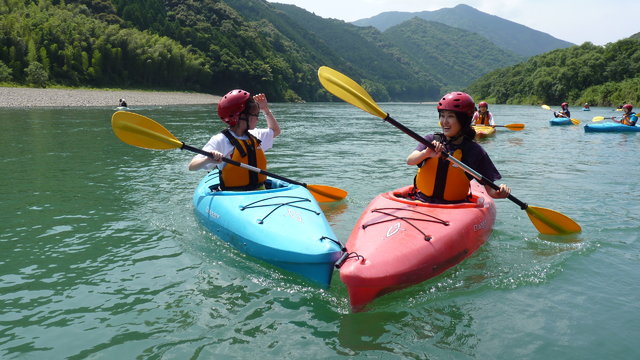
(551,222)
(515,127)
(546,107)
(138,130)
(575,121)
(348,90)
(598,118)
(326,193)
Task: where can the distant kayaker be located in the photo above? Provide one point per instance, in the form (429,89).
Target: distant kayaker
(629,117)
(122,103)
(241,141)
(586,106)
(483,116)
(564,112)
(439,180)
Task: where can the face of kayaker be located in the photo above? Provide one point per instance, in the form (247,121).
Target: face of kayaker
(253,116)
(483,109)
(450,125)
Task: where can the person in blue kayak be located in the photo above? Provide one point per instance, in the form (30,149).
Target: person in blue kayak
(441,181)
(483,116)
(564,112)
(241,141)
(629,117)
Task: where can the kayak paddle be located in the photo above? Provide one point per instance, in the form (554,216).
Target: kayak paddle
(141,131)
(547,221)
(514,127)
(600,118)
(574,121)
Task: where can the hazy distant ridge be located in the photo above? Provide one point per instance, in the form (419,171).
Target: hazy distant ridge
(506,34)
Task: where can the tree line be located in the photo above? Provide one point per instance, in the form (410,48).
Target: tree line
(41,42)
(599,75)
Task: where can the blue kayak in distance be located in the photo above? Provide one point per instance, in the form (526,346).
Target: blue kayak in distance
(560,121)
(282,225)
(610,127)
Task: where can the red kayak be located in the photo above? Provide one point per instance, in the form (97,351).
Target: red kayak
(399,242)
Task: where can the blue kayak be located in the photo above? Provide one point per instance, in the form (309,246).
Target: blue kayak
(586,109)
(610,127)
(560,121)
(282,225)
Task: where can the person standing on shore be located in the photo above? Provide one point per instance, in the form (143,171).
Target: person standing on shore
(241,141)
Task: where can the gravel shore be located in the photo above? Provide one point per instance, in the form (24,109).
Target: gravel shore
(35,97)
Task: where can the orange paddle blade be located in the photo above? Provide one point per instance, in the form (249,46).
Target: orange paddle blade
(515,127)
(551,222)
(326,193)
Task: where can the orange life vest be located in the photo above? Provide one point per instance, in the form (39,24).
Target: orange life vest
(626,119)
(483,119)
(441,179)
(248,152)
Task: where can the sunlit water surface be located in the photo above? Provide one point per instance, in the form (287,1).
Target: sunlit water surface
(101,256)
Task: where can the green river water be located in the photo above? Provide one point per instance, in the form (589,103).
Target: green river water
(101,256)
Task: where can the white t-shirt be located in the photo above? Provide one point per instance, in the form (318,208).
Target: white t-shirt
(476,115)
(220,143)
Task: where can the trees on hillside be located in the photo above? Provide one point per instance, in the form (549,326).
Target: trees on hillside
(604,75)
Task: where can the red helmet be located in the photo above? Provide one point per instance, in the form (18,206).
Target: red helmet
(457,101)
(629,107)
(564,104)
(231,105)
(483,103)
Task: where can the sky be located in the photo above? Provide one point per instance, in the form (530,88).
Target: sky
(576,21)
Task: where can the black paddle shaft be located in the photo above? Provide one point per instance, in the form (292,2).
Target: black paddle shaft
(475,174)
(242,165)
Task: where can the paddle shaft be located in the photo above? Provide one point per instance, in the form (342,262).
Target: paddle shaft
(242,165)
(475,174)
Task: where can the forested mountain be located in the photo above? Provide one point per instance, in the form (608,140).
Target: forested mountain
(600,75)
(217,45)
(408,56)
(453,56)
(506,34)
(385,72)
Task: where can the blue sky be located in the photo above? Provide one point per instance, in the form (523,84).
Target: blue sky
(576,21)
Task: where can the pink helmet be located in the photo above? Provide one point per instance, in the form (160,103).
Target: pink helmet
(564,104)
(629,107)
(483,103)
(231,106)
(457,101)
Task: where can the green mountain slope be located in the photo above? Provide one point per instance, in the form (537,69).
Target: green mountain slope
(506,34)
(453,56)
(365,56)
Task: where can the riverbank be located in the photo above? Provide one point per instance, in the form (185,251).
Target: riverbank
(34,97)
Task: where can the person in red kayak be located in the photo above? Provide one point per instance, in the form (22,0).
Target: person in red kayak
(483,116)
(564,112)
(629,117)
(441,181)
(241,141)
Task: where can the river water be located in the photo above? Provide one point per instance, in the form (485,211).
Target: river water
(102,257)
